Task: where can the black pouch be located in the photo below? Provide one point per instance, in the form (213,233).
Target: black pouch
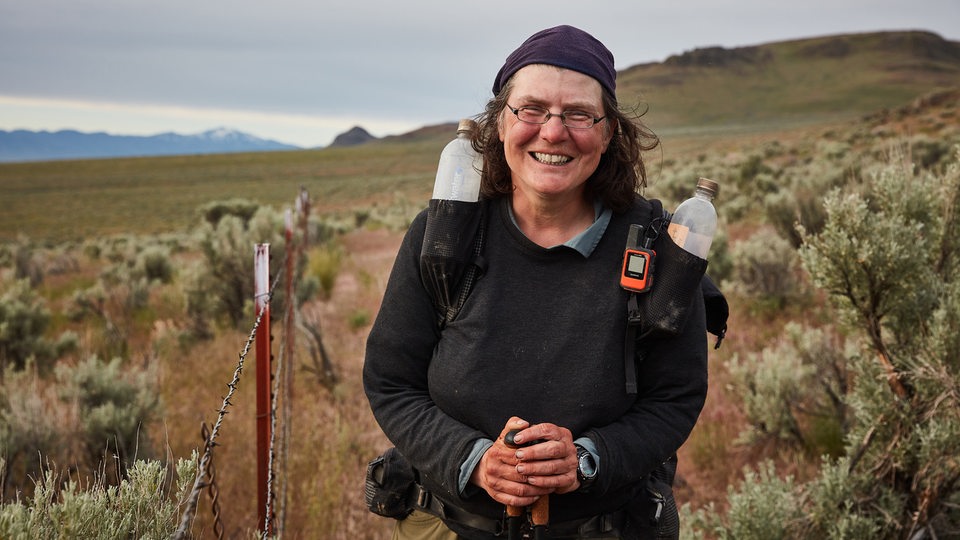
(389,485)
(653,514)
(663,311)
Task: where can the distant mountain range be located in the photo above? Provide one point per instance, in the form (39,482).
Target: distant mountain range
(23,145)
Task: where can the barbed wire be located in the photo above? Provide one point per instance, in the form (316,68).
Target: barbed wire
(287,416)
(281,394)
(273,435)
(198,485)
(282,385)
(213,490)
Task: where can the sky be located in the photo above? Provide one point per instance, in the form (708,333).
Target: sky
(303,71)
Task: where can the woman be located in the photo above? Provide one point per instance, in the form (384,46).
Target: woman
(539,345)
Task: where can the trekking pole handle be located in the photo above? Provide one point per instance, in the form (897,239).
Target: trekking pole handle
(540,510)
(512,511)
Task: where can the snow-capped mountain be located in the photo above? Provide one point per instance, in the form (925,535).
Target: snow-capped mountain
(22,145)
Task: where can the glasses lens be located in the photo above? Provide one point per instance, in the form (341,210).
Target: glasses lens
(533,115)
(578,120)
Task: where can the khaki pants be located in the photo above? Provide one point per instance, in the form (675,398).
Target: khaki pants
(422,526)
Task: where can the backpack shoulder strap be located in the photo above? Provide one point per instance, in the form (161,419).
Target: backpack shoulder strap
(474,270)
(717,309)
(630,340)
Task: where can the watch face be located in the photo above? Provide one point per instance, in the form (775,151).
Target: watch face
(586,466)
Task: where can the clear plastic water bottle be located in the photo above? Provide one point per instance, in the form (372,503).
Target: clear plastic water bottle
(458,174)
(695,221)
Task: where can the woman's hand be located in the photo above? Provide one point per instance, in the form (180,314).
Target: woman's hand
(551,462)
(520,476)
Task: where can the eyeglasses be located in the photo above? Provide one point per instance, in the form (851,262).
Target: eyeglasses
(570,119)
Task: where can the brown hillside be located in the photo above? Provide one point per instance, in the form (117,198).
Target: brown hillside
(792,82)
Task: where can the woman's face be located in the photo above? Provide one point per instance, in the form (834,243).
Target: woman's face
(551,160)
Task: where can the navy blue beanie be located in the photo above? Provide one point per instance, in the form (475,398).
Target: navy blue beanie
(566,47)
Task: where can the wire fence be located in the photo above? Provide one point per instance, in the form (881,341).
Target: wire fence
(281,391)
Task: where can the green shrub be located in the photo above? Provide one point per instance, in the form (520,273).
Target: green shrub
(765,268)
(835,511)
(33,422)
(154,263)
(141,506)
(796,389)
(773,385)
(359,319)
(242,209)
(720,267)
(115,407)
(119,294)
(324,265)
(24,319)
(223,282)
(764,507)
(220,287)
(787,209)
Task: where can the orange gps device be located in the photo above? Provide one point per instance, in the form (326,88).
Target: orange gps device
(637,272)
(636,269)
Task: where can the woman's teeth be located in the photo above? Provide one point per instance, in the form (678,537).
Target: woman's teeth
(550,159)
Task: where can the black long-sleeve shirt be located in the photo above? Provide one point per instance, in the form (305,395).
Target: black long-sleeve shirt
(540,337)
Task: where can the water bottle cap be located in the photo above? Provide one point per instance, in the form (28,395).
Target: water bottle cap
(466,125)
(709,185)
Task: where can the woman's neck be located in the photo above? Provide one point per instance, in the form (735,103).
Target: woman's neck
(548,222)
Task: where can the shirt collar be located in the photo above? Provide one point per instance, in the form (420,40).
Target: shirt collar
(587,240)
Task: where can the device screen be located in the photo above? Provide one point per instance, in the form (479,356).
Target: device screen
(636,270)
(637,265)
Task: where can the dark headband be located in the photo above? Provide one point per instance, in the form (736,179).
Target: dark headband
(565,47)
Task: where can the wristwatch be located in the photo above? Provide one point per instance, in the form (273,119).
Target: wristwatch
(586,467)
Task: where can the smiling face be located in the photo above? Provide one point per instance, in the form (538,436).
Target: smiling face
(550,161)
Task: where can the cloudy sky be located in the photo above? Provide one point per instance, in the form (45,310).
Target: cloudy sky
(302,71)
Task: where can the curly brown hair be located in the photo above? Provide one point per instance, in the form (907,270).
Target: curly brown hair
(619,176)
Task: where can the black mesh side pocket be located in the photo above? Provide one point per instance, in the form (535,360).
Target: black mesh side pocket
(448,249)
(663,311)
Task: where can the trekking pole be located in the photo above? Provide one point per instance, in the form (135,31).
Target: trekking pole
(539,511)
(515,515)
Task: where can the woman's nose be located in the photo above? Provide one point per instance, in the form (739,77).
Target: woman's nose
(553,129)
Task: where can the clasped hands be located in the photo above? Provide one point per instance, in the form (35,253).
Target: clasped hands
(520,476)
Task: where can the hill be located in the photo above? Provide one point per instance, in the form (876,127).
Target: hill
(23,145)
(352,137)
(792,82)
